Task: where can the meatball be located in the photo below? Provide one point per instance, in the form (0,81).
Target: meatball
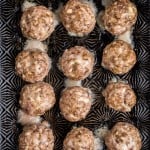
(32,65)
(120,16)
(78,17)
(123,136)
(37,98)
(75,103)
(119,96)
(79,138)
(37,22)
(118,57)
(77,63)
(36,137)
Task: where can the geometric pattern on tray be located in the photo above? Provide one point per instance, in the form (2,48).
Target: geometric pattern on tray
(11,43)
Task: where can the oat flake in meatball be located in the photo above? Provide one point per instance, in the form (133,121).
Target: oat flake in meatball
(32,65)
(123,136)
(37,22)
(77,63)
(79,138)
(75,103)
(78,17)
(120,16)
(118,57)
(119,96)
(36,137)
(37,98)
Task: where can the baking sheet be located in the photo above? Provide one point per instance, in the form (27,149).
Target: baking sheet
(100,115)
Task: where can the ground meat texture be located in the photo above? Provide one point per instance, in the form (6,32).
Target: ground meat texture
(119,96)
(79,138)
(77,63)
(123,136)
(37,22)
(120,16)
(36,137)
(78,17)
(118,57)
(32,65)
(75,103)
(37,98)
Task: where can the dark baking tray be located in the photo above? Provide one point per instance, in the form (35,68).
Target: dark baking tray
(11,43)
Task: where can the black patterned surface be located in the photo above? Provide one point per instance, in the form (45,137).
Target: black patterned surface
(11,42)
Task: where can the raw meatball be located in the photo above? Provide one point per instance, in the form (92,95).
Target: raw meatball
(119,96)
(37,98)
(123,136)
(32,65)
(37,22)
(79,138)
(77,63)
(36,137)
(78,17)
(118,57)
(75,103)
(120,16)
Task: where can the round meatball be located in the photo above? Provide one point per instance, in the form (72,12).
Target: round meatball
(32,65)
(119,96)
(36,137)
(78,17)
(123,136)
(79,138)
(120,16)
(75,103)
(77,63)
(37,98)
(37,22)
(118,57)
